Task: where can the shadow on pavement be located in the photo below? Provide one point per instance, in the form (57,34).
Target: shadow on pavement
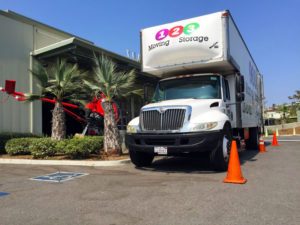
(248,156)
(192,164)
(189,164)
(267,143)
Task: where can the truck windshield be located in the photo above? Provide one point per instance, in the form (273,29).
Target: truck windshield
(198,87)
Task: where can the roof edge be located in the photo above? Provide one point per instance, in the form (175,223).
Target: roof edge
(52,46)
(79,42)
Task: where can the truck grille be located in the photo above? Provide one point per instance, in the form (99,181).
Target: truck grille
(167,119)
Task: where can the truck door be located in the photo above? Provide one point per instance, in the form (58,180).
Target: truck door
(229,106)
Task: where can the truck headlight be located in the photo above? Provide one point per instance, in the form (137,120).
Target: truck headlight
(204,126)
(132,128)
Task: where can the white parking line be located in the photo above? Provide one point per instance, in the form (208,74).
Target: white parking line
(289,140)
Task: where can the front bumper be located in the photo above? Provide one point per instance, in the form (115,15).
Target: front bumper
(177,143)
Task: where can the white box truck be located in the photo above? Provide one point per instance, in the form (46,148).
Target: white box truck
(210,91)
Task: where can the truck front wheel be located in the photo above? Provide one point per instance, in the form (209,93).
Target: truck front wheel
(140,159)
(220,156)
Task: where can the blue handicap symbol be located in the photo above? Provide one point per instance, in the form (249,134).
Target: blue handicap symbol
(59,176)
(3,194)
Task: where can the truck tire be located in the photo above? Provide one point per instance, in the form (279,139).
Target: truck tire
(253,141)
(220,156)
(140,159)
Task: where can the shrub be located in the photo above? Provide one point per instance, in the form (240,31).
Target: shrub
(18,146)
(95,143)
(4,137)
(61,145)
(43,147)
(82,147)
(78,147)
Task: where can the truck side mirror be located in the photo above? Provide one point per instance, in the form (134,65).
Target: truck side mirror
(240,97)
(240,83)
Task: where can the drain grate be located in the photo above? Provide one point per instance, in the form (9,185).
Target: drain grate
(59,176)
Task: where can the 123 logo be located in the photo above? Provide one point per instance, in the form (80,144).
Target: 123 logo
(176,31)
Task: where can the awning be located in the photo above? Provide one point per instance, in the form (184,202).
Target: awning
(83,53)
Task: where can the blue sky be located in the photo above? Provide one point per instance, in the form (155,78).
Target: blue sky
(271,29)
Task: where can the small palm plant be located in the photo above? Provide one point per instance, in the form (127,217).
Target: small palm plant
(295,96)
(107,80)
(61,81)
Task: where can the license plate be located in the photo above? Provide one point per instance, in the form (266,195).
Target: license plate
(161,150)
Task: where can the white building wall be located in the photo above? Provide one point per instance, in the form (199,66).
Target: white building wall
(17,40)
(273,115)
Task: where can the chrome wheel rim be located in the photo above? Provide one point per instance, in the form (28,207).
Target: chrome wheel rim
(225,148)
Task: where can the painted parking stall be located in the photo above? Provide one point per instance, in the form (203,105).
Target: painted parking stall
(59,177)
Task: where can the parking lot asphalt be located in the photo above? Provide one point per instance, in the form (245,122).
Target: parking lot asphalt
(172,191)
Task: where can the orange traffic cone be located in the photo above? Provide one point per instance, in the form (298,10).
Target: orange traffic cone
(274,141)
(262,148)
(234,173)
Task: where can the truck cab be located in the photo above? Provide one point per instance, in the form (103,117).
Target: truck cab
(188,114)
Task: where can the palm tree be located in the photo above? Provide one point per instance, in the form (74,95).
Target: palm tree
(111,83)
(295,96)
(295,104)
(60,81)
(283,110)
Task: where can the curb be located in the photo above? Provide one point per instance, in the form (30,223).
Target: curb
(65,162)
(286,135)
(283,140)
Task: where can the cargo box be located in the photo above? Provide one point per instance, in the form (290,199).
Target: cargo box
(210,43)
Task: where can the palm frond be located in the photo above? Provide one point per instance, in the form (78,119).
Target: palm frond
(32,97)
(70,73)
(108,80)
(136,92)
(59,75)
(60,80)
(91,85)
(40,73)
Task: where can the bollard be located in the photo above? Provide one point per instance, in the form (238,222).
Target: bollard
(266,132)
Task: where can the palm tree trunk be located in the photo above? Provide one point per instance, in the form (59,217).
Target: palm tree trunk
(58,122)
(112,143)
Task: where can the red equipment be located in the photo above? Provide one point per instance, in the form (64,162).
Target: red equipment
(10,86)
(95,105)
